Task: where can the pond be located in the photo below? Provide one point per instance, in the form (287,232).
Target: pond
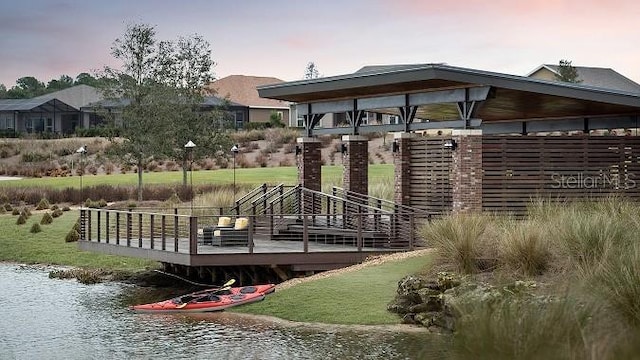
(62,319)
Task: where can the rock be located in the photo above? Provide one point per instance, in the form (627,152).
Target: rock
(432,303)
(410,284)
(409,319)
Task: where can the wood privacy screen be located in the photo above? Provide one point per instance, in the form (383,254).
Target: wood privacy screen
(519,169)
(430,178)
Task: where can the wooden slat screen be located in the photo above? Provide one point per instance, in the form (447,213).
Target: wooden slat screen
(518,169)
(430,175)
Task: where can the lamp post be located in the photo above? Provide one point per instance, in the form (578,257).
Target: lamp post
(234,151)
(82,150)
(189,149)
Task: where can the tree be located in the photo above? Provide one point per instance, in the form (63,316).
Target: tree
(26,87)
(567,73)
(64,82)
(311,71)
(85,79)
(162,83)
(144,124)
(3,91)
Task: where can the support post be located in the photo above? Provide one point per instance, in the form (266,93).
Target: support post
(466,171)
(402,166)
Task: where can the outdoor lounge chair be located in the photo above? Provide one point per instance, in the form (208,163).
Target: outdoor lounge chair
(224,222)
(238,235)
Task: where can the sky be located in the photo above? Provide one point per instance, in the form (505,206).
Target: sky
(277,38)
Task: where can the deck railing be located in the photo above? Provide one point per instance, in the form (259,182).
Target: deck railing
(296,232)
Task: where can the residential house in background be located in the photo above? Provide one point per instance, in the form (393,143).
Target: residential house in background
(209,103)
(590,76)
(241,90)
(57,112)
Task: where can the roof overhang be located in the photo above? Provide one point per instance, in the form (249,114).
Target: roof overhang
(512,98)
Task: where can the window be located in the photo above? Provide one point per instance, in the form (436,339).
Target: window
(280,115)
(394,119)
(49,125)
(300,121)
(239,119)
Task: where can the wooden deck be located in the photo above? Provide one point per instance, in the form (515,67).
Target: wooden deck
(178,239)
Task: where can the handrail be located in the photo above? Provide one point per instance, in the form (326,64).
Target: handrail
(350,202)
(368,198)
(268,193)
(285,194)
(248,196)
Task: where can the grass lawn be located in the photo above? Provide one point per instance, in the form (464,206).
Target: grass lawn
(252,176)
(17,244)
(358,297)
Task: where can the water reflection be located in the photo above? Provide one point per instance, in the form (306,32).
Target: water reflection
(61,319)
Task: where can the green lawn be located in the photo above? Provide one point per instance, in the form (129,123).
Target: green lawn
(17,244)
(358,297)
(252,176)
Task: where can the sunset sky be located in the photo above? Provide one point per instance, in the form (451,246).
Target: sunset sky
(49,38)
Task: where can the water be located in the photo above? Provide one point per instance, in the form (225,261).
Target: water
(42,318)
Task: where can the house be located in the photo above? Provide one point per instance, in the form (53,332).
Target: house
(590,76)
(114,106)
(241,89)
(57,112)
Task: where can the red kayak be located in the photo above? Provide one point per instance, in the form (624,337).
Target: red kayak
(209,300)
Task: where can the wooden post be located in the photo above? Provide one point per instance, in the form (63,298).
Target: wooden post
(118,228)
(99,228)
(106,226)
(164,232)
(175,230)
(193,235)
(88,225)
(139,230)
(359,239)
(250,234)
(151,232)
(305,233)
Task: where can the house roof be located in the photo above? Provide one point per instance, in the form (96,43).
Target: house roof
(242,89)
(35,105)
(596,76)
(69,99)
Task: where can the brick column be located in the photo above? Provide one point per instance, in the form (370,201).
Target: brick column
(356,164)
(466,171)
(309,162)
(401,163)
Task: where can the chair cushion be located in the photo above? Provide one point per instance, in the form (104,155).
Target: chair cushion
(241,224)
(224,221)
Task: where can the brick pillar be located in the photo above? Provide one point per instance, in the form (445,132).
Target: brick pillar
(356,164)
(309,162)
(466,171)
(402,162)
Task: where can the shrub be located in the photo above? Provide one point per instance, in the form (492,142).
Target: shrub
(513,328)
(15,211)
(459,240)
(43,204)
(54,207)
(35,228)
(66,208)
(8,207)
(56,213)
(524,247)
(72,236)
(76,226)
(26,212)
(21,220)
(46,219)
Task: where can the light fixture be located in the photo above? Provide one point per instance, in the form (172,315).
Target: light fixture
(450,144)
(234,151)
(395,146)
(189,148)
(298,150)
(343,148)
